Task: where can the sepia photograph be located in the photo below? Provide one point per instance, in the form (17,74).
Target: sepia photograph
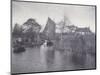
(52,37)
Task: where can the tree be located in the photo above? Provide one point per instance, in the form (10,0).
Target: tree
(17,30)
(31,30)
(31,26)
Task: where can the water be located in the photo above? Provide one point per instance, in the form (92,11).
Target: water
(45,58)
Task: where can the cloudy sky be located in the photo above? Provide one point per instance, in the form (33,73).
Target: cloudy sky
(81,16)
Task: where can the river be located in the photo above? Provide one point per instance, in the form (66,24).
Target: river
(42,59)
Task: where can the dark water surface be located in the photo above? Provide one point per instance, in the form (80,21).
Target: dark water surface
(47,59)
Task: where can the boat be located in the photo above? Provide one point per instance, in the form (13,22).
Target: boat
(49,32)
(19,49)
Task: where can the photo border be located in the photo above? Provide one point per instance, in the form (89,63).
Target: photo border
(57,4)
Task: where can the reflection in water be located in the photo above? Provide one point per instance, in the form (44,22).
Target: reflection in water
(47,59)
(79,60)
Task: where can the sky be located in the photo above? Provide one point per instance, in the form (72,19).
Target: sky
(81,16)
